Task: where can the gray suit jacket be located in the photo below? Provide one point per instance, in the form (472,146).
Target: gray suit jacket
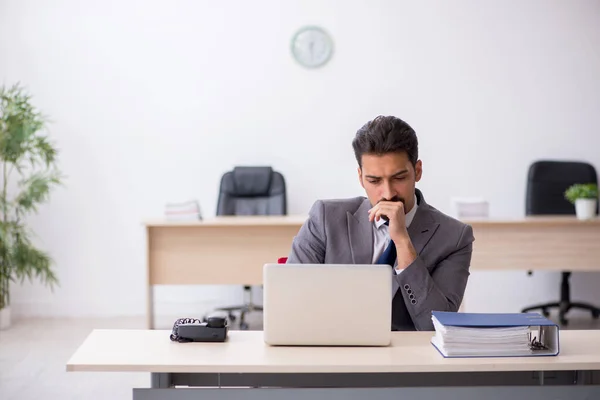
(339,232)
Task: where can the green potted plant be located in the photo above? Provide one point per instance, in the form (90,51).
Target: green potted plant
(585,198)
(29,172)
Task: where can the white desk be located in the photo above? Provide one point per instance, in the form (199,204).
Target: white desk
(411,365)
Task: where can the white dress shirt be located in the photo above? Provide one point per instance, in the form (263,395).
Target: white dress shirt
(381,234)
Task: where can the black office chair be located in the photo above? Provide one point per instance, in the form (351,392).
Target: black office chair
(251,191)
(546,184)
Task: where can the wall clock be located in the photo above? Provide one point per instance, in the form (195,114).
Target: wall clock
(312,47)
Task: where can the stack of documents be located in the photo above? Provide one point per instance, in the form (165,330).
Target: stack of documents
(469,207)
(189,210)
(493,335)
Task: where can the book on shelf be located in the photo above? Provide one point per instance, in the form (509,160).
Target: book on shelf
(494,334)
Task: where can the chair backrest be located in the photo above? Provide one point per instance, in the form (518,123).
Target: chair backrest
(546,184)
(252,191)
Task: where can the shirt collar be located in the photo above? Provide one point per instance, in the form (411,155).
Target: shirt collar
(409,216)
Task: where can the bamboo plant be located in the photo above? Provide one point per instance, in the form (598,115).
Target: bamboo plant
(29,173)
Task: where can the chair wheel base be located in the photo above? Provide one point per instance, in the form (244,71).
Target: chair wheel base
(545,313)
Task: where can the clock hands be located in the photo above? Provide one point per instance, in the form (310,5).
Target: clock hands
(311,47)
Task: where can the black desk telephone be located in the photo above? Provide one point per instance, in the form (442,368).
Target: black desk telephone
(213,329)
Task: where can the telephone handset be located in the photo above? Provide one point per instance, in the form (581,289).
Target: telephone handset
(213,329)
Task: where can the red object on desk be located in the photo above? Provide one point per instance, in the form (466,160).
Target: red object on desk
(282,260)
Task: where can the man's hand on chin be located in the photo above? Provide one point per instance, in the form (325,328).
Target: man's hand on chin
(394,212)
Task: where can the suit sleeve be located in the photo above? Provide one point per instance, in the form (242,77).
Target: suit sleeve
(308,246)
(441,290)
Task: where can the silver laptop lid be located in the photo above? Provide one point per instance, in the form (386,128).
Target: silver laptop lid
(327,304)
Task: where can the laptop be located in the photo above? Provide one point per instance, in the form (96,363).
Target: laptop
(327,304)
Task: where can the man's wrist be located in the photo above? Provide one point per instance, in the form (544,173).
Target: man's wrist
(405,251)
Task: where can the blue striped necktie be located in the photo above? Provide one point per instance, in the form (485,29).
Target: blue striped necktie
(389,254)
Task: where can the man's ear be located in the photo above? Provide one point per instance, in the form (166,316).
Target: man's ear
(360,176)
(418,170)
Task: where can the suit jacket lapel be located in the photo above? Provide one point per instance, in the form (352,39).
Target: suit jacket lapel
(423,225)
(360,232)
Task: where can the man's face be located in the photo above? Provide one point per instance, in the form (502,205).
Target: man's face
(390,177)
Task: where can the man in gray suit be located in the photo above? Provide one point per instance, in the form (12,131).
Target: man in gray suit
(429,253)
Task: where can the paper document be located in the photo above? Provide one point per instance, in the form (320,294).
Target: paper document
(486,335)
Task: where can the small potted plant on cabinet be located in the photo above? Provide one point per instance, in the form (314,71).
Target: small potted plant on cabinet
(585,198)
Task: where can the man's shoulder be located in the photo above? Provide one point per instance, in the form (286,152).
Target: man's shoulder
(452,227)
(338,207)
(445,219)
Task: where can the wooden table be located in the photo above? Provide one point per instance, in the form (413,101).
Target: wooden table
(233,250)
(536,243)
(410,365)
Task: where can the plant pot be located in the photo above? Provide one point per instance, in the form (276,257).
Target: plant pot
(5,318)
(585,208)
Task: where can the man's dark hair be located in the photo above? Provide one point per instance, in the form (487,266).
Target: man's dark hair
(386,134)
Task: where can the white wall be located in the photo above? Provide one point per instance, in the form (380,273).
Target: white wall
(153,100)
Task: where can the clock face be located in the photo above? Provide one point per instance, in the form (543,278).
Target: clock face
(312,47)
